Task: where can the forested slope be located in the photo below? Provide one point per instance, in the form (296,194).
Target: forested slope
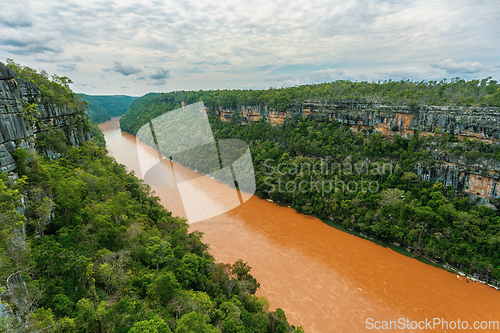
(84,247)
(101,255)
(368,184)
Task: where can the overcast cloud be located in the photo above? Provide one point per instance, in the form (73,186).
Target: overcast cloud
(135,47)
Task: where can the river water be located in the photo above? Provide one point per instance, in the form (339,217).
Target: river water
(325,280)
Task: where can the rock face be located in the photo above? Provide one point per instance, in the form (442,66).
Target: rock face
(481,179)
(475,122)
(252,113)
(17,130)
(6,73)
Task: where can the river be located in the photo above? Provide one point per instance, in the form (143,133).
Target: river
(325,280)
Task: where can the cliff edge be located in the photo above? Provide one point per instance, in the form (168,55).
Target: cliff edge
(24,115)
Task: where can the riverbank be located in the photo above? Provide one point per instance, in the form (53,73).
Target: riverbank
(324,279)
(398,249)
(409,252)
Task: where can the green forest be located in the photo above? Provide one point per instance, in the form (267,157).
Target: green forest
(85,247)
(102,108)
(485,92)
(54,89)
(358,181)
(113,260)
(368,184)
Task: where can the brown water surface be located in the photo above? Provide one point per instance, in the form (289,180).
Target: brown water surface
(325,280)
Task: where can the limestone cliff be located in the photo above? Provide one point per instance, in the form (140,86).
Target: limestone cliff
(24,116)
(475,122)
(479,178)
(19,127)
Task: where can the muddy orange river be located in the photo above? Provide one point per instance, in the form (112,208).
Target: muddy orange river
(325,280)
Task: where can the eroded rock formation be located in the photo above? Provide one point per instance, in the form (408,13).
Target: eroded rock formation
(17,130)
(477,178)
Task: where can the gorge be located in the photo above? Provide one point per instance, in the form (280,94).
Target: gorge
(479,179)
(323,278)
(96,223)
(84,247)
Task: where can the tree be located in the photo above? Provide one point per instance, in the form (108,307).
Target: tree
(159,251)
(194,323)
(278,321)
(231,312)
(409,177)
(155,325)
(89,318)
(21,157)
(241,269)
(392,197)
(41,208)
(41,320)
(163,288)
(190,270)
(68,197)
(418,230)
(186,301)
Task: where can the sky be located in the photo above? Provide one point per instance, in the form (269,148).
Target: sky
(135,47)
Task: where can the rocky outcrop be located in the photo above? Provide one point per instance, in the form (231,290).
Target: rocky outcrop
(23,117)
(6,73)
(253,113)
(18,129)
(483,185)
(479,123)
(475,122)
(478,178)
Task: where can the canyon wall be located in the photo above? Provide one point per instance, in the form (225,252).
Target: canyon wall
(474,122)
(23,116)
(479,178)
(19,126)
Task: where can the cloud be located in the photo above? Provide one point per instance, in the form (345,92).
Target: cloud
(58,60)
(16,15)
(234,44)
(156,76)
(21,22)
(67,67)
(453,67)
(160,76)
(328,75)
(152,75)
(27,44)
(411,73)
(125,70)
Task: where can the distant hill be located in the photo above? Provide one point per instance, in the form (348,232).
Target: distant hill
(102,108)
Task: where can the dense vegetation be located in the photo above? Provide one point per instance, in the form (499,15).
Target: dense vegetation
(102,108)
(368,184)
(54,90)
(484,92)
(84,247)
(111,258)
(361,181)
